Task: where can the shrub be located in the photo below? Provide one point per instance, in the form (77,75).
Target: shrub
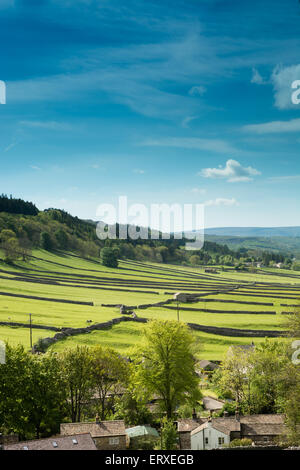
(240,443)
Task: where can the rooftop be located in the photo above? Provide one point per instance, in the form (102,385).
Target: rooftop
(75,442)
(189,424)
(271,424)
(99,429)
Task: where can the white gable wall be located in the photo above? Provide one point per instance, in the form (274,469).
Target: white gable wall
(208,438)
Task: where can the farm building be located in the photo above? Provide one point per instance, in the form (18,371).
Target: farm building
(107,435)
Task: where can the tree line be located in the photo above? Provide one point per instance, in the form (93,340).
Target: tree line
(17,206)
(55,229)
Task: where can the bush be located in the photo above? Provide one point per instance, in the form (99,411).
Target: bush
(109,257)
(240,443)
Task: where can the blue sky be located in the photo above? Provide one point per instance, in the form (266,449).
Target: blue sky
(165,102)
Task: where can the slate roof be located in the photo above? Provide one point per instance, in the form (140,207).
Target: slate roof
(251,425)
(212,404)
(189,424)
(99,429)
(204,363)
(272,424)
(77,442)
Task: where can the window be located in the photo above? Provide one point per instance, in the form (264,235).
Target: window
(54,444)
(74,441)
(221,441)
(113,441)
(206,440)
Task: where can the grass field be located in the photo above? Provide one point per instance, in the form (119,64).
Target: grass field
(228,299)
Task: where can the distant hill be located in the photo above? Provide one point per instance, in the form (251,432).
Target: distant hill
(254,231)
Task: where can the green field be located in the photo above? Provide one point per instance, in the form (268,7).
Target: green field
(56,277)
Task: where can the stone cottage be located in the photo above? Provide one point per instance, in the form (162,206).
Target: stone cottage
(107,435)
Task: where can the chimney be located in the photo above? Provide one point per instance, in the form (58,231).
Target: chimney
(226,414)
(194,415)
(237,415)
(97,419)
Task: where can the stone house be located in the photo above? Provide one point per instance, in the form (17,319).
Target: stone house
(107,435)
(214,433)
(184,429)
(75,442)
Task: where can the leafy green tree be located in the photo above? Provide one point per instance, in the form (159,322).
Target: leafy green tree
(108,257)
(134,411)
(77,371)
(62,239)
(165,365)
(31,393)
(195,260)
(109,372)
(168,435)
(266,363)
(45,394)
(46,241)
(9,245)
(25,248)
(234,377)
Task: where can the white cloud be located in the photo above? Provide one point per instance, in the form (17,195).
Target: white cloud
(138,171)
(282,179)
(34,167)
(211,145)
(187,120)
(51,125)
(198,191)
(10,146)
(257,78)
(282,79)
(197,90)
(274,127)
(221,202)
(233,172)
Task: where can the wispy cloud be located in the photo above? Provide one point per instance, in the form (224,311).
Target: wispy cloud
(138,171)
(283,179)
(197,90)
(274,127)
(211,145)
(96,166)
(35,167)
(187,120)
(198,190)
(51,125)
(233,172)
(10,146)
(221,202)
(257,78)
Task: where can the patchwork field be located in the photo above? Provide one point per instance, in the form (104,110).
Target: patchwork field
(63,290)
